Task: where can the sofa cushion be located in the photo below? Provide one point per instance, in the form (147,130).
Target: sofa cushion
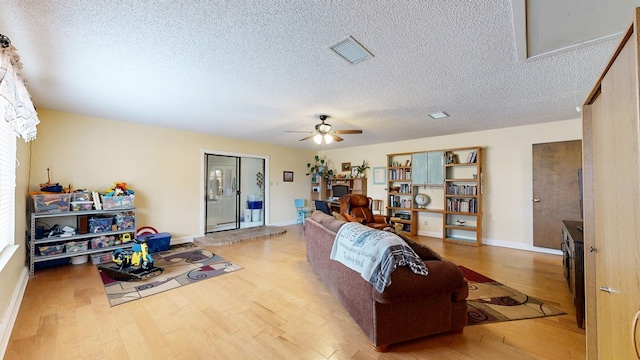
(423,251)
(327,221)
(444,277)
(338,216)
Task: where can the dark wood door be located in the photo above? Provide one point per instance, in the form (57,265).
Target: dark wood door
(555,190)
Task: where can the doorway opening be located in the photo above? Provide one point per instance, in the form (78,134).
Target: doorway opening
(233,191)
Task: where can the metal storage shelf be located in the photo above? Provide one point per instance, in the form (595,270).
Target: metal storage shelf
(32,258)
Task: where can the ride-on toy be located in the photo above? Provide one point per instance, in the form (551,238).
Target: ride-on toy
(132,264)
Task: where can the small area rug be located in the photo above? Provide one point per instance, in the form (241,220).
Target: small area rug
(490,301)
(183,264)
(229,237)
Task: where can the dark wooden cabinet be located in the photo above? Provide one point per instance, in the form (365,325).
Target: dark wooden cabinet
(573,262)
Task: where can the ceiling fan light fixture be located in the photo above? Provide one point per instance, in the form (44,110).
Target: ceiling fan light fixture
(351,50)
(328,139)
(324,128)
(439,115)
(318,139)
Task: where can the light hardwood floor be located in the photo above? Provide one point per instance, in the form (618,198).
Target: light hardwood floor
(277,308)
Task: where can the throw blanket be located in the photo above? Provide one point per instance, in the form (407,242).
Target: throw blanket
(374,254)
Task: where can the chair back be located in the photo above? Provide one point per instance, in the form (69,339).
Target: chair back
(358,205)
(322,206)
(378,205)
(299,203)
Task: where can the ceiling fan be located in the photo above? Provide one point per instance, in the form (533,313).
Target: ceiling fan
(324,133)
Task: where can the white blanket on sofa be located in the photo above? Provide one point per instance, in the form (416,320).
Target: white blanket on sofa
(375,254)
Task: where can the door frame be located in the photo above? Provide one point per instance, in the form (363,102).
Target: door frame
(203,153)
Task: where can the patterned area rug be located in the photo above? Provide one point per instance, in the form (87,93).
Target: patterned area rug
(183,264)
(229,237)
(490,301)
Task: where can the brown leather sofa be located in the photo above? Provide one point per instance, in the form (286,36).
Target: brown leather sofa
(358,207)
(411,307)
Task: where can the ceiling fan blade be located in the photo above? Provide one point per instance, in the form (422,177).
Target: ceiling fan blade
(307,138)
(299,131)
(348,131)
(336,137)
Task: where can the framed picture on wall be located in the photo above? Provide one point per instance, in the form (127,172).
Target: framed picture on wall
(346,166)
(287,176)
(379,173)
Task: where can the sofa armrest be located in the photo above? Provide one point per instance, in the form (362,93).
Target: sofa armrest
(380,219)
(444,277)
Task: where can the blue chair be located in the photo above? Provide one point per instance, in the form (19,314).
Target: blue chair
(301,212)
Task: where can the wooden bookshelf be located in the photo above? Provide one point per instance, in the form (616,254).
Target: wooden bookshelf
(450,178)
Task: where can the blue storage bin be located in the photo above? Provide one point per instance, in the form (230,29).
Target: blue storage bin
(157,242)
(254,205)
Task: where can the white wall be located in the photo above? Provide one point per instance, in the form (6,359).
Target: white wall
(162,165)
(507,175)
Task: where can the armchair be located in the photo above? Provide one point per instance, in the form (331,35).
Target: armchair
(358,207)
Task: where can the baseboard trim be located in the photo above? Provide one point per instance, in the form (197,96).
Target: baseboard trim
(504,244)
(520,246)
(9,317)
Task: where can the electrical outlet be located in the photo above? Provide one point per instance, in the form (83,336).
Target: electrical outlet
(426,222)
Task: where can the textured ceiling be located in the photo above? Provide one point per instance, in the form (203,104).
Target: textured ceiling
(252,69)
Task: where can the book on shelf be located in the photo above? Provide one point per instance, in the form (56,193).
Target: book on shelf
(471,159)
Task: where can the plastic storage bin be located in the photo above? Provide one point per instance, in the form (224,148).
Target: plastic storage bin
(101,258)
(97,225)
(76,246)
(81,196)
(45,250)
(102,242)
(256,215)
(81,205)
(246,215)
(125,222)
(117,202)
(51,203)
(254,205)
(157,242)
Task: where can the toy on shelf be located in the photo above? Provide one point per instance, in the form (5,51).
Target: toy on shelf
(49,186)
(119,189)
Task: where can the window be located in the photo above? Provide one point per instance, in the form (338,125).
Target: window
(7,184)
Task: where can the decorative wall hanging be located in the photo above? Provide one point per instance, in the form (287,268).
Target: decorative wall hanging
(15,103)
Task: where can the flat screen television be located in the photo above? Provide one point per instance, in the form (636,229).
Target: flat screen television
(339,190)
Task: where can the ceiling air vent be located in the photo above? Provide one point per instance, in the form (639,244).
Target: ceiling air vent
(351,50)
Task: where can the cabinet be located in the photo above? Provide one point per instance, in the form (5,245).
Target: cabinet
(72,218)
(573,265)
(399,193)
(428,168)
(353,186)
(462,222)
(322,189)
(319,189)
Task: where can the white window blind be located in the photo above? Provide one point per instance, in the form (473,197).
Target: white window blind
(7,184)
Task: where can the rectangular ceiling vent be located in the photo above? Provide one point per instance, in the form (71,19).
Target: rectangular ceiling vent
(351,50)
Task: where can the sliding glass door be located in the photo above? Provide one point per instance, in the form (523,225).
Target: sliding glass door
(222,192)
(234,192)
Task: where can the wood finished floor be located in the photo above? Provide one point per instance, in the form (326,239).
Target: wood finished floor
(276,308)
